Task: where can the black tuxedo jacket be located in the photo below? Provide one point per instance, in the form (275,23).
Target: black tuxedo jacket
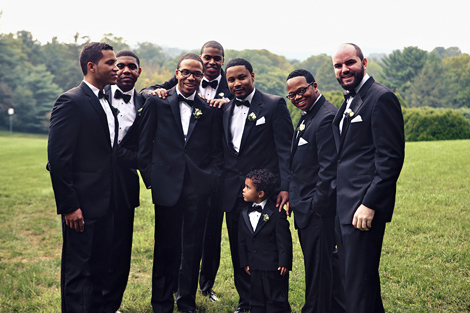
(81,159)
(370,153)
(313,165)
(270,245)
(164,155)
(265,144)
(222,88)
(126,154)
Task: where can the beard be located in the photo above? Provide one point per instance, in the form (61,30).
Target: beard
(358,76)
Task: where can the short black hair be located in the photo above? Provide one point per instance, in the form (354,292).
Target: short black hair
(239,61)
(301,72)
(264,180)
(190,56)
(358,51)
(128,53)
(92,52)
(213,44)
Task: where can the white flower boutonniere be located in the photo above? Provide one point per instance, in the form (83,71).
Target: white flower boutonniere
(348,113)
(139,112)
(302,127)
(252,117)
(221,95)
(197,113)
(265,217)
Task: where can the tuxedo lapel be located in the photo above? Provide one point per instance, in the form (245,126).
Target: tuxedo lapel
(246,218)
(96,104)
(175,109)
(255,108)
(261,222)
(198,105)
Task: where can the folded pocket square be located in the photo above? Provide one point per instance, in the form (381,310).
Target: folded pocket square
(260,121)
(356,119)
(302,142)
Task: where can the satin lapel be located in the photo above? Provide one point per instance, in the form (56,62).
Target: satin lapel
(198,104)
(255,107)
(227,120)
(246,218)
(175,108)
(336,122)
(262,222)
(138,101)
(96,104)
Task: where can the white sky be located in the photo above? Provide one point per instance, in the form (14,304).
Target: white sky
(293,28)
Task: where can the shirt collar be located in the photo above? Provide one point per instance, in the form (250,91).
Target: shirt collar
(191,97)
(249,98)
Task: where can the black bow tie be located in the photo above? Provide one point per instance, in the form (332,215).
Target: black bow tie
(189,102)
(255,208)
(213,83)
(119,95)
(242,102)
(349,94)
(101,95)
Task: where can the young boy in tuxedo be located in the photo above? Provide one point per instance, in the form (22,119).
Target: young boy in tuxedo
(265,245)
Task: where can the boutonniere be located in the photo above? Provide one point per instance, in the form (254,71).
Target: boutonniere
(139,112)
(221,95)
(302,127)
(265,217)
(252,117)
(197,113)
(348,113)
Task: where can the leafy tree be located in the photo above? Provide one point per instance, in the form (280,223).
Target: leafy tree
(457,78)
(118,43)
(449,52)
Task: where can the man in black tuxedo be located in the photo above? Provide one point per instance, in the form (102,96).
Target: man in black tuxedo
(128,103)
(311,195)
(82,142)
(369,138)
(257,134)
(180,159)
(214,89)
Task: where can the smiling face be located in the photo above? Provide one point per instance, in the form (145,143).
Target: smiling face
(213,61)
(306,100)
(349,69)
(188,85)
(240,81)
(129,72)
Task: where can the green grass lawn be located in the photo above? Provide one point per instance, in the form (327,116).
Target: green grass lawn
(425,260)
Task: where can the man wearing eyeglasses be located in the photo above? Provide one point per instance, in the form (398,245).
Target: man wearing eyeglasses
(313,170)
(180,159)
(214,89)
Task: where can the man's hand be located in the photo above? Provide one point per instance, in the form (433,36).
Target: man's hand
(363,217)
(283,198)
(217,103)
(247,270)
(283,270)
(75,220)
(160,92)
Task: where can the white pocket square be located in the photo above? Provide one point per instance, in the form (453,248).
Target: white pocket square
(357,119)
(260,121)
(302,142)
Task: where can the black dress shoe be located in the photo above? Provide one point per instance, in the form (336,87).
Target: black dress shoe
(211,294)
(241,310)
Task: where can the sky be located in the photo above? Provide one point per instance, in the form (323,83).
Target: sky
(296,29)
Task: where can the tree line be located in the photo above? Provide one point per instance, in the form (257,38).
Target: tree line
(433,87)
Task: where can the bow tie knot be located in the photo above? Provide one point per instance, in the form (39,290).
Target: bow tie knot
(255,208)
(189,102)
(102,95)
(349,94)
(119,95)
(206,83)
(242,102)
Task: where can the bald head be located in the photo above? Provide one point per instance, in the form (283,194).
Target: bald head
(349,65)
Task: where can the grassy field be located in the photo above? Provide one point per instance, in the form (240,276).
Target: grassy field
(425,261)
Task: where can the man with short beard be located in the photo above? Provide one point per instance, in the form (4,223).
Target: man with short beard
(369,137)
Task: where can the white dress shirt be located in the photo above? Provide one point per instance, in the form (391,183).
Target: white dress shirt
(127,112)
(209,92)
(185,112)
(254,216)
(350,99)
(240,114)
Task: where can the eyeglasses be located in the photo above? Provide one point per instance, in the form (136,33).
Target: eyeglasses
(186,73)
(300,91)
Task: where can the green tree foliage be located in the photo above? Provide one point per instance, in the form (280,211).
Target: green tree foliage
(457,78)
(435,124)
(321,68)
(449,52)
